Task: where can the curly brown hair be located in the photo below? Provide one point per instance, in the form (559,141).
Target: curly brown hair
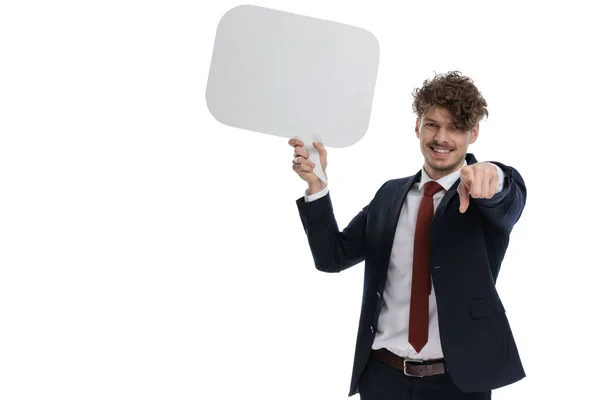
(454,92)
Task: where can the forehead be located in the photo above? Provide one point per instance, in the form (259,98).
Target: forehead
(439,114)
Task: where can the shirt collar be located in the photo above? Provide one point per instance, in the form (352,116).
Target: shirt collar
(446,182)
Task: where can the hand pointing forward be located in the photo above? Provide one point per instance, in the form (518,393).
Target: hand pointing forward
(478,181)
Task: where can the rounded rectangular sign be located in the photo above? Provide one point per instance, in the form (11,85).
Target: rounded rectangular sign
(289,75)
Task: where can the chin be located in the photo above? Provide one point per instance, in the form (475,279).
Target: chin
(441,167)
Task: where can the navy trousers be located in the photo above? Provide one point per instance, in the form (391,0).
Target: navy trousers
(380,381)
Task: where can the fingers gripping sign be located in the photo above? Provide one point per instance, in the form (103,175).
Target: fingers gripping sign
(478,181)
(305,165)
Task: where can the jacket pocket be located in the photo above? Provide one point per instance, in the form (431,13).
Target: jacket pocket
(482,307)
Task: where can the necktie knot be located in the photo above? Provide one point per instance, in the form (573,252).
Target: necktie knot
(432,188)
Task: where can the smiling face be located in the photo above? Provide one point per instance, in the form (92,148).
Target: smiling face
(444,142)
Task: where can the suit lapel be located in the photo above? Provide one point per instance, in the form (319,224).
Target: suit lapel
(440,211)
(396,205)
(443,206)
(398,202)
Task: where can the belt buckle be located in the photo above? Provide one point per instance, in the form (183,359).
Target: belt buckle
(412,361)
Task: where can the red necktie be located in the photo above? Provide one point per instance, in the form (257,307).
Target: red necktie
(418,329)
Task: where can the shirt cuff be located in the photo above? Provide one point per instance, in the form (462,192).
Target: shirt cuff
(316,196)
(500,179)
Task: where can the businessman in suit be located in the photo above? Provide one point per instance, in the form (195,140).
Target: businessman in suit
(432,325)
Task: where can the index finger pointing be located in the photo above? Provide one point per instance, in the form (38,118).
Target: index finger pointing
(466,175)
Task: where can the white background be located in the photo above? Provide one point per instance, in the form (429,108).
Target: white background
(149,252)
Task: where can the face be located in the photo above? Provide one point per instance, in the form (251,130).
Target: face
(444,144)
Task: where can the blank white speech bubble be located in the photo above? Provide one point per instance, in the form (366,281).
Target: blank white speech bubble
(293,76)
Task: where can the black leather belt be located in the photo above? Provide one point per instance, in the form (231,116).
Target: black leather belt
(410,367)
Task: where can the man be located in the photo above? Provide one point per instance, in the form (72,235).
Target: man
(432,325)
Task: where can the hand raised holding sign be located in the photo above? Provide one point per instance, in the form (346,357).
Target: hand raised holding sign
(304,167)
(478,181)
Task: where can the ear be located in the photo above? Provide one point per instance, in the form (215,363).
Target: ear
(474,134)
(417,125)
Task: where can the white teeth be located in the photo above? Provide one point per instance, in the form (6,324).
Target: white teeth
(441,151)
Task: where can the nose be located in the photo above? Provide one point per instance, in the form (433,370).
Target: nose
(442,135)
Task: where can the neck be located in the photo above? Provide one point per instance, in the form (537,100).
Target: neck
(436,174)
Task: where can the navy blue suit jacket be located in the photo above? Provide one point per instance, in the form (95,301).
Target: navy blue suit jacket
(466,254)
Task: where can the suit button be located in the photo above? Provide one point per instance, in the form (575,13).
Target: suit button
(379,295)
(372,329)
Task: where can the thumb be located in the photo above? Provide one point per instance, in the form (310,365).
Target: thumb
(322,153)
(320,148)
(463,193)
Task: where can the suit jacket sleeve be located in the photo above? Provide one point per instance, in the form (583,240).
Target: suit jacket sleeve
(332,250)
(505,208)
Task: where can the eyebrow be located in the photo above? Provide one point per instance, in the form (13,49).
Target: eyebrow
(427,119)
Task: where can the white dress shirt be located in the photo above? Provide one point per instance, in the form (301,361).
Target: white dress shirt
(392,328)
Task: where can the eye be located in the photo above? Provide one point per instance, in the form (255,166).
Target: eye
(429,124)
